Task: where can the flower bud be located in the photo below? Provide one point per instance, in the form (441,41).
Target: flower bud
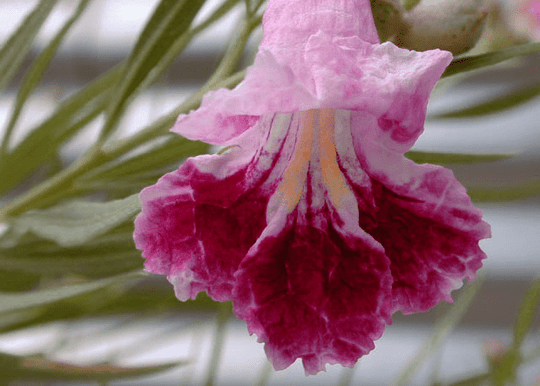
(450,25)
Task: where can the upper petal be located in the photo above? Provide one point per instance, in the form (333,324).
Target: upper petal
(287,25)
(268,88)
(391,83)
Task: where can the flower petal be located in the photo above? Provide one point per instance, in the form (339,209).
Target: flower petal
(424,220)
(384,80)
(268,87)
(308,294)
(288,24)
(315,286)
(199,222)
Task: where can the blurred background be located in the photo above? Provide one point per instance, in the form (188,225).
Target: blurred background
(104,36)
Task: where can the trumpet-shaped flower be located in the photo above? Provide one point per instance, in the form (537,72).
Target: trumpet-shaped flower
(312,221)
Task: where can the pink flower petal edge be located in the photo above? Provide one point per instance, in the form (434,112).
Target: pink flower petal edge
(313,222)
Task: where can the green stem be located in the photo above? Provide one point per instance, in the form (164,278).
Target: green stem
(54,188)
(63,184)
(346,376)
(258,5)
(224,313)
(235,49)
(162,125)
(264,375)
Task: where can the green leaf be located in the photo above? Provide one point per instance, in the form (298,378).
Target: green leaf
(74,223)
(475,380)
(169,24)
(149,296)
(453,158)
(143,169)
(44,141)
(495,105)
(15,281)
(18,45)
(110,254)
(39,368)
(16,302)
(440,332)
(468,63)
(410,4)
(526,314)
(36,71)
(507,193)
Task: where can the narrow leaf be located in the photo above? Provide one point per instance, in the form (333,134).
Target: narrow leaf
(453,158)
(476,380)
(469,63)
(170,21)
(36,71)
(410,4)
(39,368)
(440,332)
(16,302)
(18,45)
(110,254)
(147,165)
(526,314)
(75,223)
(507,193)
(495,105)
(16,281)
(44,141)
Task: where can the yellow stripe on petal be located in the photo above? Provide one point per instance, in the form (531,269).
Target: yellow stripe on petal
(336,185)
(292,184)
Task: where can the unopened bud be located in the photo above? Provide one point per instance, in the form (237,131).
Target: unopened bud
(450,25)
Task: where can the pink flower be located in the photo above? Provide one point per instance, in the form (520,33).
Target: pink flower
(313,222)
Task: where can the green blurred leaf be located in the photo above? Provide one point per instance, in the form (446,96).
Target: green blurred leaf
(36,71)
(410,4)
(507,193)
(169,23)
(16,281)
(143,169)
(468,63)
(440,332)
(526,314)
(39,368)
(475,380)
(73,223)
(495,105)
(18,45)
(110,254)
(17,302)
(453,158)
(44,141)
(149,296)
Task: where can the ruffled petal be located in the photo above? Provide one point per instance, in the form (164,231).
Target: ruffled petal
(424,220)
(198,223)
(307,294)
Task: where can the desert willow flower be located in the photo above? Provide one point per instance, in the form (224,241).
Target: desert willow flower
(313,222)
